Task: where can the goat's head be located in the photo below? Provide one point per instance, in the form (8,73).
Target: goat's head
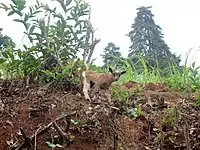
(116,74)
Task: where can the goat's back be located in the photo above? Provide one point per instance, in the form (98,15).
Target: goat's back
(98,77)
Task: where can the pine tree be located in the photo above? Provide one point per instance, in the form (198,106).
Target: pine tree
(109,50)
(147,41)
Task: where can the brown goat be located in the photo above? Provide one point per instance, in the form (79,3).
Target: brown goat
(98,81)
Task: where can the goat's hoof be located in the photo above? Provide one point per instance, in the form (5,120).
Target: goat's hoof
(87,98)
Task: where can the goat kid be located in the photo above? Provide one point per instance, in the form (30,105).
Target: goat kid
(98,81)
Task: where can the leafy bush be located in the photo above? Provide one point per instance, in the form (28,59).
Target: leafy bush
(54,42)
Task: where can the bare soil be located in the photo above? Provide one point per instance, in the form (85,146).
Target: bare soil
(31,116)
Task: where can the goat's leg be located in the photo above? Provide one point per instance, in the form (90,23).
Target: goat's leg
(86,88)
(96,88)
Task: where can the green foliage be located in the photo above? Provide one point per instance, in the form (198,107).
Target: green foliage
(194,78)
(197,96)
(70,72)
(134,112)
(170,116)
(182,78)
(147,41)
(175,79)
(132,74)
(121,93)
(188,78)
(97,69)
(111,50)
(6,41)
(55,37)
(83,121)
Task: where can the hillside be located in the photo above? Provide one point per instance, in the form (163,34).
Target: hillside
(32,116)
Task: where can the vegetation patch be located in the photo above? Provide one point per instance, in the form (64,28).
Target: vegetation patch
(154,105)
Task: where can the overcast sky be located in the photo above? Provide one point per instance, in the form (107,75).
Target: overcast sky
(180,21)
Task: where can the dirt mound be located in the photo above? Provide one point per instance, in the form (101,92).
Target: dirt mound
(159,87)
(41,117)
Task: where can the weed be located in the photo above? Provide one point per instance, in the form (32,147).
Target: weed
(134,112)
(121,93)
(52,145)
(170,116)
(197,97)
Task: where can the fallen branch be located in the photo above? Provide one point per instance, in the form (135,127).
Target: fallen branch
(35,148)
(19,144)
(187,137)
(62,134)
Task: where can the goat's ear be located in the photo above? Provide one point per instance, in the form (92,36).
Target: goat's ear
(110,70)
(123,72)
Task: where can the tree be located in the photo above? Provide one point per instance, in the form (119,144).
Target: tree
(147,41)
(109,51)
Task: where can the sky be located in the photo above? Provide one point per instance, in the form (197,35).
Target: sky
(179,20)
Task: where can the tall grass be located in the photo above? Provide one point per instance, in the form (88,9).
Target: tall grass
(133,75)
(184,77)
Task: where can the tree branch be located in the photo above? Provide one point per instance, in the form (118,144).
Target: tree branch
(89,48)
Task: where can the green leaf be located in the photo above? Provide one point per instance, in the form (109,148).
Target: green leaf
(79,121)
(16,11)
(71,138)
(18,20)
(68,2)
(83,37)
(31,30)
(14,2)
(19,53)
(26,25)
(36,12)
(36,7)
(3,6)
(5,54)
(31,10)
(51,144)
(38,3)
(26,18)
(77,23)
(197,68)
(63,5)
(37,34)
(30,38)
(57,15)
(2,60)
(10,55)
(21,4)
(11,13)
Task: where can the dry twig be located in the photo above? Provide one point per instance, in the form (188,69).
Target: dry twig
(35,147)
(27,140)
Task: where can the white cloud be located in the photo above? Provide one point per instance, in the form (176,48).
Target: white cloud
(180,22)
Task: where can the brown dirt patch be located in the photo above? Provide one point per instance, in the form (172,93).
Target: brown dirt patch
(159,87)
